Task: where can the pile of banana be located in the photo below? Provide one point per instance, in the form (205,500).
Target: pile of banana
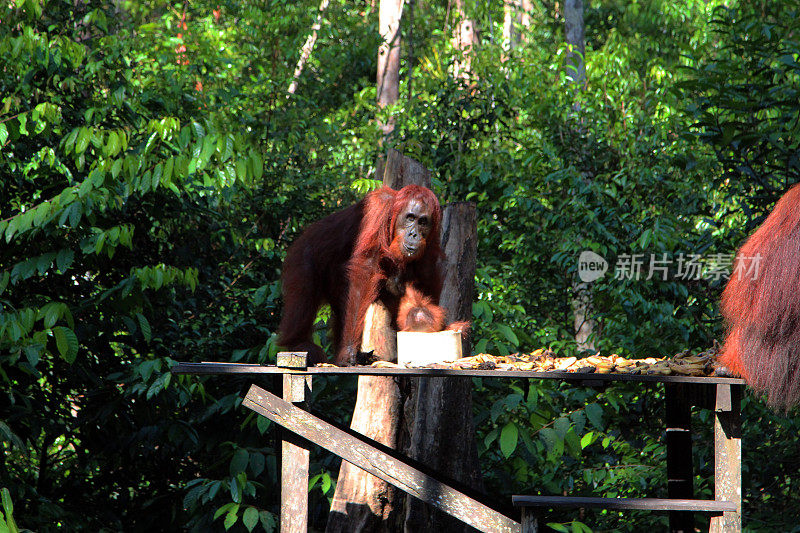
(544,360)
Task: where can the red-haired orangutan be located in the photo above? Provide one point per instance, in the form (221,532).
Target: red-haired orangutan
(761,305)
(385,247)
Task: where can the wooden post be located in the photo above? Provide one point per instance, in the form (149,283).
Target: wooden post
(728,457)
(294,451)
(530,523)
(679,455)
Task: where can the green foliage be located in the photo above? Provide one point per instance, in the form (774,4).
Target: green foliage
(744,95)
(553,438)
(7,523)
(142,223)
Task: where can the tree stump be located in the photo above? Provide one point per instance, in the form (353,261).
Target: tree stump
(442,431)
(432,418)
(363,502)
(397,171)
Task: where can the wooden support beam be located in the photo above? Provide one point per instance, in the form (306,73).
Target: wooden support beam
(358,452)
(208,368)
(679,455)
(295,455)
(530,505)
(728,457)
(530,522)
(622,504)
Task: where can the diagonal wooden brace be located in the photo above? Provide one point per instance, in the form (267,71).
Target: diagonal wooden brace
(360,453)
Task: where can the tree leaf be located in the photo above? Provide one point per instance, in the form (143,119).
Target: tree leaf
(555,445)
(595,415)
(250,518)
(257,463)
(561,425)
(508,334)
(4,278)
(67,343)
(144,325)
(573,443)
(230,519)
(239,462)
(268,521)
(84,136)
(257,164)
(236,493)
(263,424)
(231,507)
(241,169)
(50,313)
(508,439)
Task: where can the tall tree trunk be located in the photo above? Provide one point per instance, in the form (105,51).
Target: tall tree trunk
(584,321)
(465,38)
(308,46)
(574,30)
(390,13)
(516,22)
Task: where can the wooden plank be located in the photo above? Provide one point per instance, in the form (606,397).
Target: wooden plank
(357,452)
(250,369)
(620,504)
(679,454)
(295,455)
(728,458)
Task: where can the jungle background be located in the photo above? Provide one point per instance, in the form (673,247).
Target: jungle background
(154,167)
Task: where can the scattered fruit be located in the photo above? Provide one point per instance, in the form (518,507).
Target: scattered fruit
(544,360)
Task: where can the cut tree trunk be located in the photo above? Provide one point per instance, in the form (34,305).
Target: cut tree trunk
(397,171)
(363,502)
(442,430)
(433,424)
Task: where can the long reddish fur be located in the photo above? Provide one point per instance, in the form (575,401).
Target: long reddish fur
(344,259)
(762,312)
(417,312)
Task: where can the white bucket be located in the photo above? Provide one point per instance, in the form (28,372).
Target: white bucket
(420,349)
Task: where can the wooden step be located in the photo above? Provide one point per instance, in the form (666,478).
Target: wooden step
(650,504)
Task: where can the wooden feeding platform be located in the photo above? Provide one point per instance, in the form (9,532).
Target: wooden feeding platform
(721,394)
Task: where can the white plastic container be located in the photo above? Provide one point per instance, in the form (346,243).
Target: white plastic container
(420,349)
